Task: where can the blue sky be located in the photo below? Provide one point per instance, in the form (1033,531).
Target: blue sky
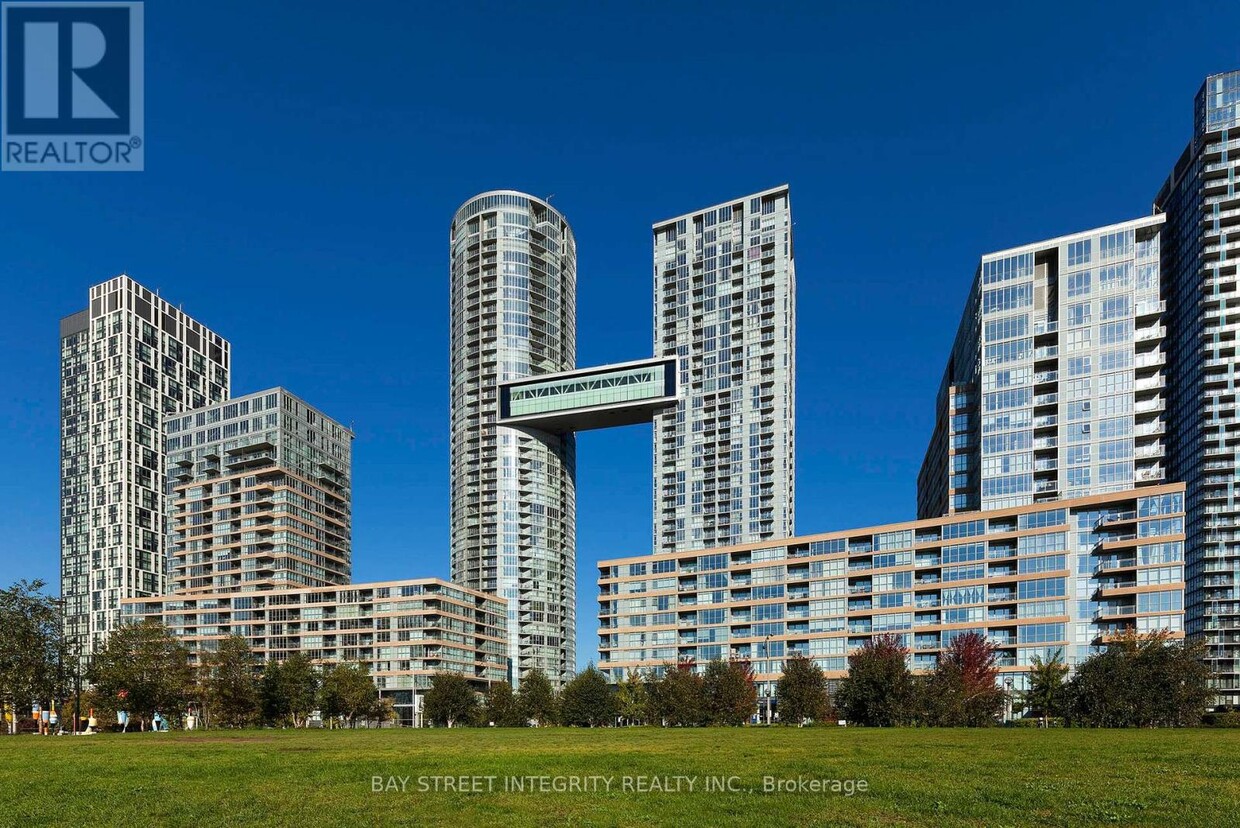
(304,161)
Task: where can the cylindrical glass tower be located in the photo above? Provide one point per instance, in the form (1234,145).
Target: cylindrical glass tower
(514,314)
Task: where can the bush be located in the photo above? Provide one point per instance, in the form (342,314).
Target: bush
(1229,718)
(1036,721)
(1140,681)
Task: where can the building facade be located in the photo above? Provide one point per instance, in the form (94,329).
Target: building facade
(725,289)
(513,508)
(1056,386)
(259,496)
(949,478)
(1034,579)
(403,631)
(1201,201)
(128,360)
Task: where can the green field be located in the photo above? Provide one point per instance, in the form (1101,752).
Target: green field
(914,777)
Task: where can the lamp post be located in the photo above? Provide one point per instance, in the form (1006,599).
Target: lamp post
(766,690)
(77,682)
(1007,700)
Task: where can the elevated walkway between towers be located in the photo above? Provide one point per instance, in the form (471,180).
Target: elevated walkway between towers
(623,393)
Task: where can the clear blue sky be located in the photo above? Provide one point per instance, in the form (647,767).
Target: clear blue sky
(304,161)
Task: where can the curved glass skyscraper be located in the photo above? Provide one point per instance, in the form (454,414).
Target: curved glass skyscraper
(514,298)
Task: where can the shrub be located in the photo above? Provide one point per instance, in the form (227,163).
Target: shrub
(1229,718)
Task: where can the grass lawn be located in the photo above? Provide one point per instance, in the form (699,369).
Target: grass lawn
(914,777)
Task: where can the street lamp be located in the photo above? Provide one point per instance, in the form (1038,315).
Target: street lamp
(766,690)
(77,682)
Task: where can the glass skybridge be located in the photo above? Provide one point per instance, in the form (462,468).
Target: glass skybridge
(623,393)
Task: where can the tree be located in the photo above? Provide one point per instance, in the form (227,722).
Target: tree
(289,690)
(347,691)
(450,701)
(143,669)
(499,706)
(588,700)
(678,698)
(1140,681)
(32,648)
(802,692)
(878,690)
(1045,696)
(536,698)
(232,691)
(963,690)
(381,711)
(729,691)
(631,698)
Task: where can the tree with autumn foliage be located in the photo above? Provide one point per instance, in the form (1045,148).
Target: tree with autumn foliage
(964,689)
(879,689)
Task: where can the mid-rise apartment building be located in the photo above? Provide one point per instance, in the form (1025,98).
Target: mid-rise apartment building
(1201,247)
(513,508)
(1035,579)
(259,496)
(1056,385)
(403,631)
(129,359)
(725,308)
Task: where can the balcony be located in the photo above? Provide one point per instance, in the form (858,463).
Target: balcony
(1150,308)
(1150,360)
(1106,542)
(1146,334)
(1116,517)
